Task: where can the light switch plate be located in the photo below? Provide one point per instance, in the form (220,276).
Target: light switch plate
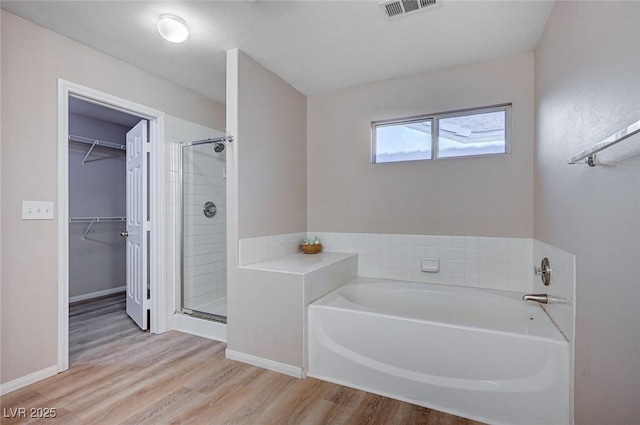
(37,210)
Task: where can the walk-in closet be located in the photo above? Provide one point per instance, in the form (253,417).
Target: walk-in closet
(97,219)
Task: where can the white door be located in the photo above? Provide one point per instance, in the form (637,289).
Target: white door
(136,234)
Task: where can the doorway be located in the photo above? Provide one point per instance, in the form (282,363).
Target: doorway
(149,217)
(98,218)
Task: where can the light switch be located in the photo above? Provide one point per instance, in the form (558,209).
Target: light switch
(37,210)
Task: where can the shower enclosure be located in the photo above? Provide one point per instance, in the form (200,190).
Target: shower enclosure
(204,228)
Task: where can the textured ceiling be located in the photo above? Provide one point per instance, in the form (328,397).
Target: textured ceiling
(316,46)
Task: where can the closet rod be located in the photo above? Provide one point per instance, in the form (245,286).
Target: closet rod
(94,143)
(89,141)
(92,220)
(85,219)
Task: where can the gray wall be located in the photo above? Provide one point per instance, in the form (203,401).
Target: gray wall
(272,152)
(588,87)
(490,196)
(96,188)
(266,188)
(32,61)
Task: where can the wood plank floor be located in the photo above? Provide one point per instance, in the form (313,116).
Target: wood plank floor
(121,375)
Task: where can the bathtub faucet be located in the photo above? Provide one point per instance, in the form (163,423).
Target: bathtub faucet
(541,298)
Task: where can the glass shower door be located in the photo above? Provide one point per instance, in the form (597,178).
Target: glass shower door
(204,231)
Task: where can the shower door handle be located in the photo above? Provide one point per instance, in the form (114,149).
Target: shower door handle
(124,234)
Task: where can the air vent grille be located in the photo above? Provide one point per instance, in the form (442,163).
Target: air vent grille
(393,8)
(425,3)
(397,8)
(410,5)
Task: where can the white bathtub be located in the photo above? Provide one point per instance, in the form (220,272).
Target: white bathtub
(484,355)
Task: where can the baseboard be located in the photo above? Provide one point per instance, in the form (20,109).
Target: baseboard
(200,327)
(29,379)
(97,294)
(286,369)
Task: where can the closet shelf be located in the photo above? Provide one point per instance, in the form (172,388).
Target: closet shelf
(94,143)
(92,220)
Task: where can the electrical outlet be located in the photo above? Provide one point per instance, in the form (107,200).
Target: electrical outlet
(37,210)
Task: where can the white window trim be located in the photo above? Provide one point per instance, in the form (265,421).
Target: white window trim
(435,129)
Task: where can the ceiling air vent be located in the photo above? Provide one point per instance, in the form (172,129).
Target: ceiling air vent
(397,8)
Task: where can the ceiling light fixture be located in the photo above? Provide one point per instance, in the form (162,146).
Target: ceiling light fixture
(173,28)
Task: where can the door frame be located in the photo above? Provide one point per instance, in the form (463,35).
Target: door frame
(157,207)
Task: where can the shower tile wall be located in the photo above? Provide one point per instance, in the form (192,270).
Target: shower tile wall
(205,243)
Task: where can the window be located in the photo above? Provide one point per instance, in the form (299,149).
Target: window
(472,132)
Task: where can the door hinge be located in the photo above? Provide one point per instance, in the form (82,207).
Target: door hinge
(147,226)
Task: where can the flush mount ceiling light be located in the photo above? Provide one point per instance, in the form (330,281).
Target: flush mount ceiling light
(173,28)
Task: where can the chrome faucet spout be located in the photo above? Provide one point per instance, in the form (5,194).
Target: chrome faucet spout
(540,298)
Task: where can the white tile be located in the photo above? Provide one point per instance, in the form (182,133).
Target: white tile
(444,241)
(457,242)
(471,267)
(395,250)
(472,255)
(445,253)
(501,256)
(407,274)
(444,277)
(446,266)
(419,251)
(395,240)
(457,278)
(431,252)
(457,266)
(458,254)
(500,244)
(431,241)
(407,240)
(395,273)
(471,242)
(472,280)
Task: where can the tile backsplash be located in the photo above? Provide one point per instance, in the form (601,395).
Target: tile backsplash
(484,262)
(255,250)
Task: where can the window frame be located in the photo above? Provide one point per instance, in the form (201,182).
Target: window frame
(435,130)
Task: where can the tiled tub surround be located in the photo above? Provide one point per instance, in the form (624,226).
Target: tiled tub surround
(275,294)
(255,250)
(482,262)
